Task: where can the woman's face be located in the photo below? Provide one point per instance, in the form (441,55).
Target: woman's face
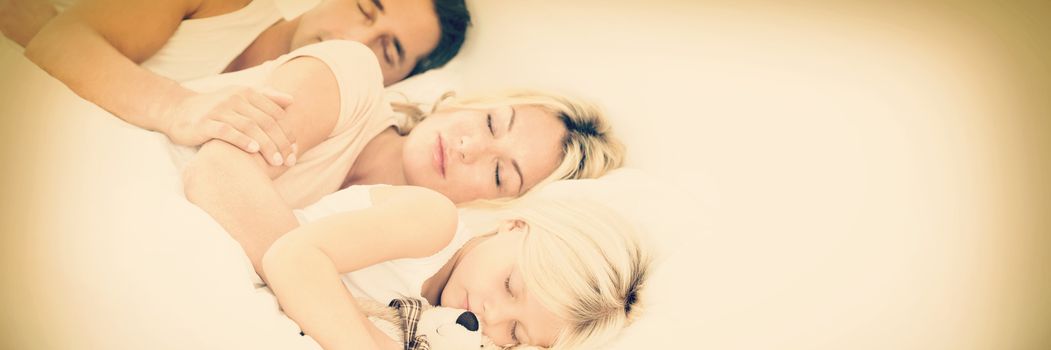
(399,32)
(487,282)
(469,154)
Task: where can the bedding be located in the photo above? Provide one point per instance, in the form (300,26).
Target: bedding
(148,268)
(128,260)
(849,176)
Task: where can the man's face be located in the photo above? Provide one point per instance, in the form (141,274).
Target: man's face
(399,32)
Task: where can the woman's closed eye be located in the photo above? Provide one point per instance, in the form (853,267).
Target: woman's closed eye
(497,175)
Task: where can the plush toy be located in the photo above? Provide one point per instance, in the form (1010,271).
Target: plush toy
(421,326)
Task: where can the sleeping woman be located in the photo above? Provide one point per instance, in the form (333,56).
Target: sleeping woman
(566,277)
(465,150)
(563,275)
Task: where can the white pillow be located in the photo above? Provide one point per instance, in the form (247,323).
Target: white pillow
(424,88)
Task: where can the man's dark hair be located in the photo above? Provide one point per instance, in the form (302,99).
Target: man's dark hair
(453,19)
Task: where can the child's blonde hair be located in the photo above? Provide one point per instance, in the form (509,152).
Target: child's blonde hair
(585,264)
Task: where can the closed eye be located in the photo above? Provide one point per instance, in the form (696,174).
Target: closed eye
(497,175)
(364,13)
(386,53)
(489,122)
(514,338)
(514,325)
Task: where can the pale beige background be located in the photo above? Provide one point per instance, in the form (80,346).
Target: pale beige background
(863,175)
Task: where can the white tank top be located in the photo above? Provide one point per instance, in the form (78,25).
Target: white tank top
(387,280)
(206,46)
(363,114)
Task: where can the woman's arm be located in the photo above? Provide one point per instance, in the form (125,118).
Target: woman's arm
(95,46)
(303,266)
(237,189)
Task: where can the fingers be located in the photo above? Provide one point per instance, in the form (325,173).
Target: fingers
(263,128)
(268,147)
(229,134)
(280,98)
(270,116)
(245,117)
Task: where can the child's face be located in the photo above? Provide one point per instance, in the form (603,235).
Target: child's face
(487,282)
(469,154)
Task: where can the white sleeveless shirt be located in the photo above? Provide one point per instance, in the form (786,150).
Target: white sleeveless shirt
(205,46)
(387,280)
(363,114)
(202,47)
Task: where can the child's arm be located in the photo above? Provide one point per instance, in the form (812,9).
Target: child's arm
(304,266)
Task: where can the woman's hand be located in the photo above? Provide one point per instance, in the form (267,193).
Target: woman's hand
(20,20)
(252,119)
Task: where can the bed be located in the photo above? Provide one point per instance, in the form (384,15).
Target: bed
(814,177)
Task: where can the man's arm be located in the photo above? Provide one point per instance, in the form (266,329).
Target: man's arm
(20,20)
(95,46)
(237,189)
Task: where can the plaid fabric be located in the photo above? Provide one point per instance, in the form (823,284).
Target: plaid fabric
(410,310)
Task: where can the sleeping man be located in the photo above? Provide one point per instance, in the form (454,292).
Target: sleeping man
(132,55)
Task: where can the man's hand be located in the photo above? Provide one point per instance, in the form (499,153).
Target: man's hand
(251,119)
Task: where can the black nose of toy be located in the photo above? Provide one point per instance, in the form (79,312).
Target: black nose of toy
(467,320)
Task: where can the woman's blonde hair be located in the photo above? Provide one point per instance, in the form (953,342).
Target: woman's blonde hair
(585,264)
(589,148)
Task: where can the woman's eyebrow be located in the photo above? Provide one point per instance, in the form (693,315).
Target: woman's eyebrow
(521,179)
(378,4)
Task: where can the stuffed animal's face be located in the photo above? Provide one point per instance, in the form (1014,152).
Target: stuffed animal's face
(439,328)
(449,329)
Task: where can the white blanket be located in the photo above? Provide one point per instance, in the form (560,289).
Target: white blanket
(125,261)
(137,266)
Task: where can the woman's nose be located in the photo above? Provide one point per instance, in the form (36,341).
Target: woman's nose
(470,149)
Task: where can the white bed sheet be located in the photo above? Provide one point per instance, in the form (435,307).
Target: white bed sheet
(849,159)
(126,262)
(145,268)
